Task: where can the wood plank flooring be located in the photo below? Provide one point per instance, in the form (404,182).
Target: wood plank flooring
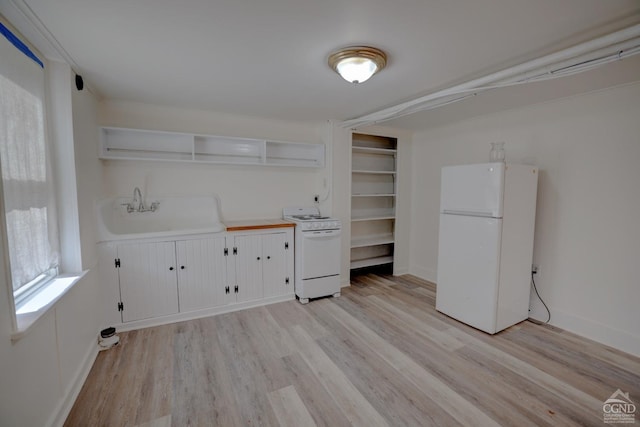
(379,355)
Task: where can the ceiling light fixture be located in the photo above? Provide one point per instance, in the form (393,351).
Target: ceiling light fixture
(356,64)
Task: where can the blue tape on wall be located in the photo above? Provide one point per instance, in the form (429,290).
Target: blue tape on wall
(19,44)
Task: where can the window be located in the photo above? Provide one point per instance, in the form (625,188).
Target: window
(27,187)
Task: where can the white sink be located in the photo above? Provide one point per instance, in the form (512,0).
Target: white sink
(179,215)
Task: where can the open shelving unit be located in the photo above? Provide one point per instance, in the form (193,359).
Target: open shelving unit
(136,144)
(373,200)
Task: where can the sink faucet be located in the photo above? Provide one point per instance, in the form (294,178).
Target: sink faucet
(138,204)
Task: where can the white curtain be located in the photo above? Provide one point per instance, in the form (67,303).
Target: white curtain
(26,176)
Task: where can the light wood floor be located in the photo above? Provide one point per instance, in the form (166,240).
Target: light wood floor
(378,355)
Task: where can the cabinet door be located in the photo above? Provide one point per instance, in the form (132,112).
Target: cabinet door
(275,272)
(229,294)
(201,273)
(249,267)
(148,281)
(109,289)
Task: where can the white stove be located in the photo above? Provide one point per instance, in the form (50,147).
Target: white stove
(317,253)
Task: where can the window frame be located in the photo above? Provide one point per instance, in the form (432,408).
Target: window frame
(32,301)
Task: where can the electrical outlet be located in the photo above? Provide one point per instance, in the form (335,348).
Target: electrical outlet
(535,268)
(316,198)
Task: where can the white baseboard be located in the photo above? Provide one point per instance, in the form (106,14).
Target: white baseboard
(71,393)
(180,317)
(399,270)
(423,273)
(604,334)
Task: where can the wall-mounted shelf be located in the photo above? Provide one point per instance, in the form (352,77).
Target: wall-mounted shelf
(136,144)
(373,192)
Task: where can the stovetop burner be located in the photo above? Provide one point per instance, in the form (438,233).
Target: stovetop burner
(311,220)
(308,217)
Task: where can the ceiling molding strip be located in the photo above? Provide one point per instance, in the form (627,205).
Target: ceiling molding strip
(25,20)
(15,41)
(29,24)
(570,61)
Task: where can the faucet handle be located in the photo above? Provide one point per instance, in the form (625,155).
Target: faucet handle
(129,207)
(154,206)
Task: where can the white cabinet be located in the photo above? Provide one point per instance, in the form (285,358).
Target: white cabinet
(201,267)
(137,144)
(148,281)
(161,278)
(247,264)
(373,200)
(277,262)
(152,282)
(262,265)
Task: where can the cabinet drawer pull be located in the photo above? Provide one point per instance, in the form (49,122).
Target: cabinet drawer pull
(182,267)
(269,257)
(258,258)
(170,268)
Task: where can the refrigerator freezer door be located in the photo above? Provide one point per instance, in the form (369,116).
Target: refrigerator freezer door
(473,189)
(468,269)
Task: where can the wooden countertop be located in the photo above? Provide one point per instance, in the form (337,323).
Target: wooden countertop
(257,224)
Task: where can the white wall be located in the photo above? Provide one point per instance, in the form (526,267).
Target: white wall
(587,239)
(41,373)
(341,194)
(246,192)
(88,169)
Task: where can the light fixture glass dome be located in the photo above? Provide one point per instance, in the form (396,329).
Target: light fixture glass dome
(357,64)
(356,70)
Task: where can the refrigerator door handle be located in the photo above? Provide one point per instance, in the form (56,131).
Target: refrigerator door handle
(485,214)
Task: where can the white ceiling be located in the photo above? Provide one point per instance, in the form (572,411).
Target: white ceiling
(267,58)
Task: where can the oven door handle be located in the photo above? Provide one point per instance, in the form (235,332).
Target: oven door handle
(320,233)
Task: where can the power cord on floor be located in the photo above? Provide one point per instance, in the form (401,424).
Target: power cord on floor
(540,298)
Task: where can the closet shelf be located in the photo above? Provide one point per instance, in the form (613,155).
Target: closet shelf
(373,215)
(373,200)
(369,262)
(374,195)
(382,239)
(371,150)
(375,172)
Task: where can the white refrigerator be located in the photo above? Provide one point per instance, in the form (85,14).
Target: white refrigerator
(485,246)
